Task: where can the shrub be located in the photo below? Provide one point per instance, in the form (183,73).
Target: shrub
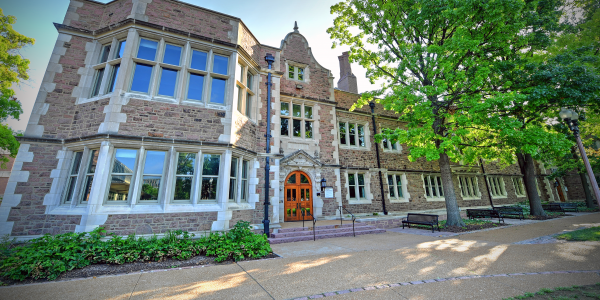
(49,256)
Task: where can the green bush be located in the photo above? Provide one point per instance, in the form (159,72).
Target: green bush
(49,256)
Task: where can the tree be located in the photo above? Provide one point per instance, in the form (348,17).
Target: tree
(437,59)
(532,94)
(13,69)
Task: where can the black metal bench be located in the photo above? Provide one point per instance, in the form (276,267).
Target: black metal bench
(511,211)
(484,213)
(553,207)
(569,206)
(421,219)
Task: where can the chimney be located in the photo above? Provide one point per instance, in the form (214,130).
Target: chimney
(347,80)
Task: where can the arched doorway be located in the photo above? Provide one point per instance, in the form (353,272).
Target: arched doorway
(297,196)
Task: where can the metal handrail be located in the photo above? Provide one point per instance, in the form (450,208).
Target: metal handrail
(314,220)
(342,218)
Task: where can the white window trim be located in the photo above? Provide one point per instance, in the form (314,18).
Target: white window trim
(366,147)
(296,65)
(368,196)
(302,119)
(245,89)
(108,67)
(432,198)
(501,188)
(387,146)
(476,186)
(519,181)
(404,183)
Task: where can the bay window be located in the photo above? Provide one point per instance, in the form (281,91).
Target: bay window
(122,170)
(245,90)
(154,165)
(210,176)
(184,176)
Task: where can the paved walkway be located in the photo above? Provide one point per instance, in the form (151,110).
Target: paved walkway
(394,265)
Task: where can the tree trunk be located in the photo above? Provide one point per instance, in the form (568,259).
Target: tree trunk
(452,210)
(535,203)
(589,200)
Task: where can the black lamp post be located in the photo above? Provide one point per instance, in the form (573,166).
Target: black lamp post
(570,117)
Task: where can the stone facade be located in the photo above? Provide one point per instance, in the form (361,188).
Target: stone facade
(98,152)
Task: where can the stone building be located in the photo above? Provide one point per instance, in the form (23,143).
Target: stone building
(152,116)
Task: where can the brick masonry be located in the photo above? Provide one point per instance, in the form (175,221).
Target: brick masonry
(148,118)
(29,216)
(159,223)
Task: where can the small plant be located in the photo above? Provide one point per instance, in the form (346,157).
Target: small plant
(49,256)
(289,211)
(375,214)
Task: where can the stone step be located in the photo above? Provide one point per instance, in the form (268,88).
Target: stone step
(322,236)
(284,230)
(320,230)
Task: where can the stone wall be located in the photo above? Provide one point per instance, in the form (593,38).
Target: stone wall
(575,187)
(64,119)
(29,216)
(149,118)
(245,133)
(159,223)
(316,86)
(185,17)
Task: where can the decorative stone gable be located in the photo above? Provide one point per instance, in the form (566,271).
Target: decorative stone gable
(301,159)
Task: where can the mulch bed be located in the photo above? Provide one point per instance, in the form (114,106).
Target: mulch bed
(548,217)
(468,228)
(114,269)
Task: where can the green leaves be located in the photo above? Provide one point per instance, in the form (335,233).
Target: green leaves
(50,256)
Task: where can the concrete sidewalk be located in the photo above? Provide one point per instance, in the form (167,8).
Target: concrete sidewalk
(394,265)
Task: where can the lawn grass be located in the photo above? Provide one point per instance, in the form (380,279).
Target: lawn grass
(564,293)
(588,234)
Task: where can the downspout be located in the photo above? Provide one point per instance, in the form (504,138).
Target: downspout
(269,59)
(372,105)
(486,183)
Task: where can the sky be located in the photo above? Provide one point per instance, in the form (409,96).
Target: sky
(269,22)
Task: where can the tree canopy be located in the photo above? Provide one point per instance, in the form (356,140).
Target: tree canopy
(13,69)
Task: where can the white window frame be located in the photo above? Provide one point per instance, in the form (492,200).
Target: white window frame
(80,178)
(194,190)
(469,183)
(163,177)
(358,199)
(244,105)
(519,186)
(403,185)
(497,186)
(387,146)
(356,145)
(296,72)
(130,193)
(103,84)
(302,120)
(437,184)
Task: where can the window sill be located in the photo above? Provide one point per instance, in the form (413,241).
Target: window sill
(93,99)
(392,151)
(521,196)
(472,198)
(296,138)
(240,206)
(435,199)
(500,197)
(361,201)
(354,148)
(399,200)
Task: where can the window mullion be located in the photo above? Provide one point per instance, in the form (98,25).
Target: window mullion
(197,180)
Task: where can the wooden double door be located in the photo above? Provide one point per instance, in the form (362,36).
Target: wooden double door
(297,196)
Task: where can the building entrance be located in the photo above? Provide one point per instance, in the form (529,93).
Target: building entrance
(298,196)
